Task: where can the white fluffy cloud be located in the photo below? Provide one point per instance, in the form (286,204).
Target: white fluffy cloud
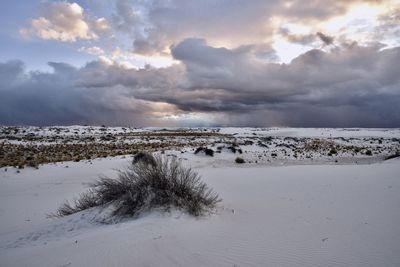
(65,22)
(93,50)
(101,25)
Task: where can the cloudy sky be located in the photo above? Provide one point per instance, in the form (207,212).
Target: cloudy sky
(326,63)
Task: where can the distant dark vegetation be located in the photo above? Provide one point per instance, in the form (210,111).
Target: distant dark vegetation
(63,144)
(205,150)
(393,156)
(147,183)
(31,155)
(239,160)
(30,147)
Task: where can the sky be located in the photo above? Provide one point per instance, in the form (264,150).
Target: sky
(327,63)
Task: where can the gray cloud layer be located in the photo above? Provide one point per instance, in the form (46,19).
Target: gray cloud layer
(349,86)
(155,25)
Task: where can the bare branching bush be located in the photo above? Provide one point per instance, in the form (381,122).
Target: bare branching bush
(161,183)
(85,201)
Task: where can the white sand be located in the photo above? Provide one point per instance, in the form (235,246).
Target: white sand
(328,215)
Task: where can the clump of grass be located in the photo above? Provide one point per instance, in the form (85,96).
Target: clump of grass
(161,183)
(332,152)
(207,151)
(33,164)
(393,156)
(239,160)
(232,148)
(144,157)
(85,201)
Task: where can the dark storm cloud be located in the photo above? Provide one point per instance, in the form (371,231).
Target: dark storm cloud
(304,39)
(224,67)
(328,40)
(10,71)
(348,86)
(39,98)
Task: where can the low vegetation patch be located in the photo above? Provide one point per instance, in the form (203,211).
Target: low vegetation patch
(20,154)
(239,160)
(393,156)
(145,158)
(148,183)
(207,151)
(332,152)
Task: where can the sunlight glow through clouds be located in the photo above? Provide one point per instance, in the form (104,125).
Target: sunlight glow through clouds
(365,14)
(191,118)
(287,51)
(127,59)
(356,25)
(132,60)
(169,113)
(162,109)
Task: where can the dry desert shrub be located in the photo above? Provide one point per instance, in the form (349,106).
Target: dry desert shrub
(148,183)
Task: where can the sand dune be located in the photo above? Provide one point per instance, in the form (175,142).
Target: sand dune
(319,215)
